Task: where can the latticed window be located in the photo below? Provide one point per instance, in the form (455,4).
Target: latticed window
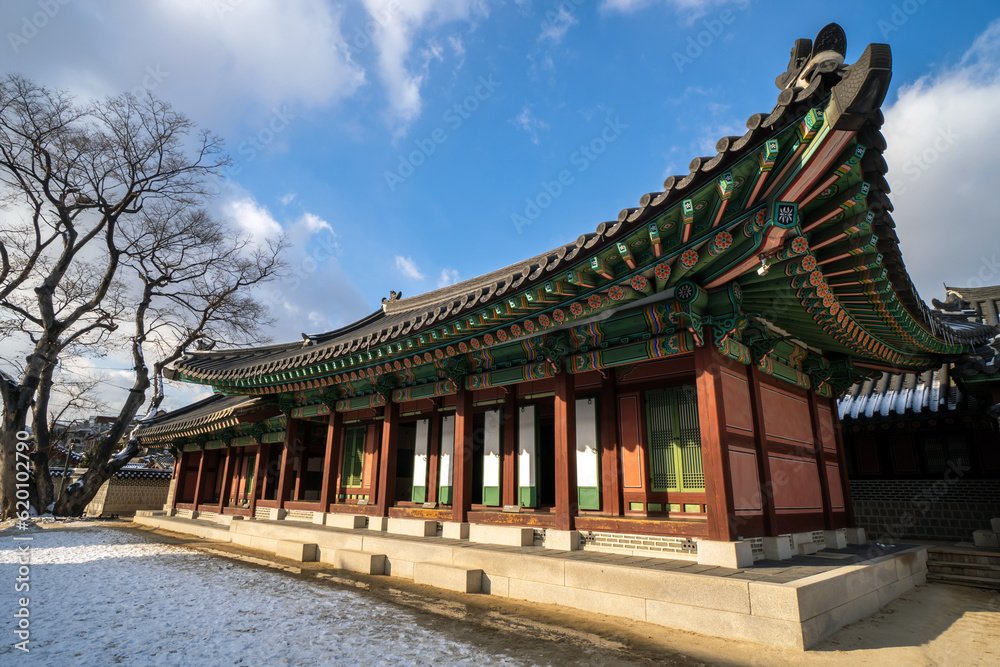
(354,455)
(674,439)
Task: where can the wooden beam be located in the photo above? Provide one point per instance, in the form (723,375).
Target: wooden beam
(714,446)
(197,483)
(824,483)
(285,474)
(387,464)
(227,478)
(258,484)
(462,459)
(611,491)
(330,455)
(567,505)
(842,460)
(760,444)
(434,455)
(508,479)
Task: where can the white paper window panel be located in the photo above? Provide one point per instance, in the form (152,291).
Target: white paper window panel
(526,446)
(491,448)
(586,442)
(447,449)
(420,454)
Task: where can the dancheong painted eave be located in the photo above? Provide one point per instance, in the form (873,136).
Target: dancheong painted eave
(783,242)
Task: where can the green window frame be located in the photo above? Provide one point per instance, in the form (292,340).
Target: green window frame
(674,438)
(354,455)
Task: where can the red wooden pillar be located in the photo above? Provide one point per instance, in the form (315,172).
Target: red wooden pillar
(334,434)
(227,478)
(197,482)
(179,464)
(387,463)
(462,460)
(824,482)
(264,457)
(565,452)
(434,455)
(285,476)
(611,491)
(508,480)
(760,446)
(714,448)
(842,461)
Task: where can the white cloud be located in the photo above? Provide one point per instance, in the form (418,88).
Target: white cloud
(556,24)
(288,199)
(252,218)
(207,58)
(692,9)
(408,268)
(447,277)
(526,121)
(943,164)
(401,23)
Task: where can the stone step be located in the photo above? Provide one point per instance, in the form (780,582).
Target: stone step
(355,561)
(959,580)
(449,577)
(300,551)
(986,538)
(965,569)
(978,556)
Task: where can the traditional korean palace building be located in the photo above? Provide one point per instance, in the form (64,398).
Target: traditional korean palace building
(672,374)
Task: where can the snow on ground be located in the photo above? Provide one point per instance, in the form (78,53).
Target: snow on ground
(102,597)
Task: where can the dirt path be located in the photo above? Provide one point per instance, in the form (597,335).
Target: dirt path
(931,625)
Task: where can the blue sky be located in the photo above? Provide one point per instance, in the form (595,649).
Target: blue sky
(407,144)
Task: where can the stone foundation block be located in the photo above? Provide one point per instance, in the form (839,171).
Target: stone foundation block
(511,536)
(305,553)
(985,538)
(563,540)
(736,555)
(855,535)
(227,519)
(448,577)
(276,513)
(319,518)
(777,548)
(378,523)
(454,530)
(358,561)
(193,514)
(412,527)
(835,539)
(995,525)
(349,521)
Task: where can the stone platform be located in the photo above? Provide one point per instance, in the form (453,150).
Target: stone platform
(792,603)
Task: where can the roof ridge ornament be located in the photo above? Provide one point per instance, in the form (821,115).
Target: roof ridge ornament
(393,296)
(806,55)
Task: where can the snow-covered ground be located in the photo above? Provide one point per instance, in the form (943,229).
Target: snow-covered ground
(101,597)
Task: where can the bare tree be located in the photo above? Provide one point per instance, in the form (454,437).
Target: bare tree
(103,246)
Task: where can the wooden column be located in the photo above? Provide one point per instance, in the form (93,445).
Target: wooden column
(258,484)
(334,435)
(227,478)
(179,464)
(285,474)
(197,482)
(387,463)
(611,484)
(565,452)
(462,459)
(760,447)
(714,448)
(842,460)
(508,480)
(824,482)
(434,455)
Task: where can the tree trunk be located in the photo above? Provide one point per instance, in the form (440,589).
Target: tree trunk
(43,441)
(75,498)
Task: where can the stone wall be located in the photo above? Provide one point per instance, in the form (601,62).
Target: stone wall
(942,509)
(125,496)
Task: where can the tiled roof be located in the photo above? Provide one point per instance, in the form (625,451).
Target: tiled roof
(208,414)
